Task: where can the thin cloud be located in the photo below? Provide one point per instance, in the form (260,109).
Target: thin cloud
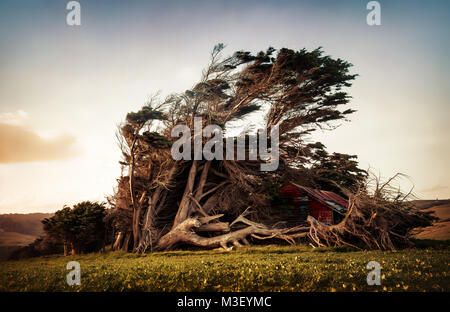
(18,118)
(18,144)
(435,188)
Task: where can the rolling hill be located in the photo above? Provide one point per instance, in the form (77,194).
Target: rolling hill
(441,228)
(17,230)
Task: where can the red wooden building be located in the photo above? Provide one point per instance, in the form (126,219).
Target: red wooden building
(325,206)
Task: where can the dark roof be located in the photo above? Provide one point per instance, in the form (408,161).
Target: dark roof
(332,200)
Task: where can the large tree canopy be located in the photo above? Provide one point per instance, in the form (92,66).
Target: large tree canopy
(161,202)
(81,227)
(336,172)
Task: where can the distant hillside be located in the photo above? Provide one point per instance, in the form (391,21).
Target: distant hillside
(28,224)
(440,229)
(18,230)
(13,239)
(424,204)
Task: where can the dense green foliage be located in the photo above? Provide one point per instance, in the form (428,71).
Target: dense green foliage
(336,171)
(270,268)
(297,92)
(82,227)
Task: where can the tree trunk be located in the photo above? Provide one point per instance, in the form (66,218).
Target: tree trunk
(201,183)
(183,234)
(118,242)
(66,251)
(134,202)
(185,204)
(126,241)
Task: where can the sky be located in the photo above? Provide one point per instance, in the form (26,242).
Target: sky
(64,89)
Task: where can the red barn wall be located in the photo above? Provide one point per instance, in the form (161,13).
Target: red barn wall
(318,210)
(297,215)
(290,190)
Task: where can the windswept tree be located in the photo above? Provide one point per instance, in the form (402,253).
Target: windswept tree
(80,228)
(336,172)
(161,202)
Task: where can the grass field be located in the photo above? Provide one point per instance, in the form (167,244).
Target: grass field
(269,268)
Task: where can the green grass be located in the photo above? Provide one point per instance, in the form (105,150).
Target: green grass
(269,268)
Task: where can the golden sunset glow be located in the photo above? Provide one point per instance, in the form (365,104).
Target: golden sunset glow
(64,89)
